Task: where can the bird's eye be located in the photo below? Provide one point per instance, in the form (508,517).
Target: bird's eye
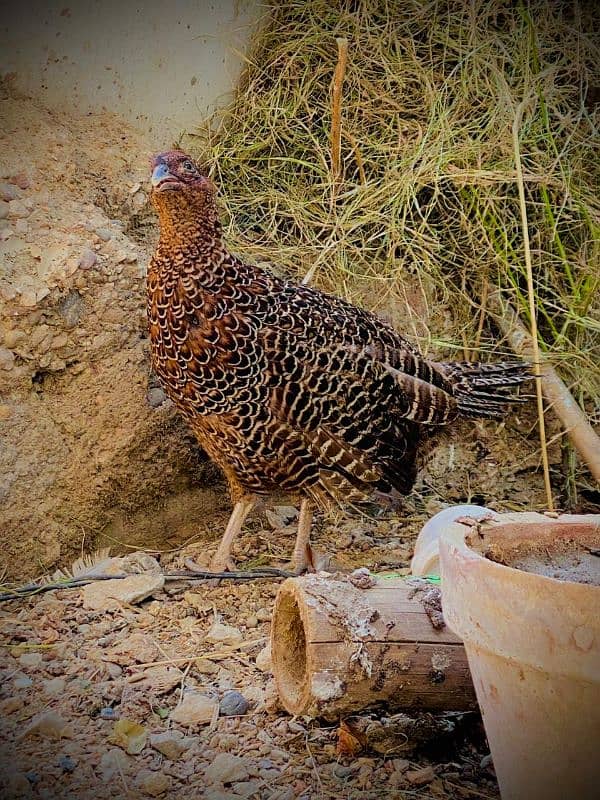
(188,166)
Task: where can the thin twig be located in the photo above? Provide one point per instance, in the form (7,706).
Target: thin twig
(482,313)
(532,307)
(313,763)
(336,112)
(358,157)
(215,655)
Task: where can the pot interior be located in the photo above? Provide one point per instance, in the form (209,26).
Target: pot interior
(564,551)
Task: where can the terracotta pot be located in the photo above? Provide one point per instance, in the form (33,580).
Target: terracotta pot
(531,630)
(426,558)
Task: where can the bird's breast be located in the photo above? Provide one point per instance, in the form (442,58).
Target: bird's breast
(206,355)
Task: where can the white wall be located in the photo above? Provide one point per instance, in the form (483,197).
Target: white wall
(161,65)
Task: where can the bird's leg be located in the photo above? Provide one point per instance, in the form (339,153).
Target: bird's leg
(302,557)
(222,559)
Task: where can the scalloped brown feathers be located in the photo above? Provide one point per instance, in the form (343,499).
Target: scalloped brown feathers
(290,388)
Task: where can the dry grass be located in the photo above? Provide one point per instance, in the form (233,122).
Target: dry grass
(427,206)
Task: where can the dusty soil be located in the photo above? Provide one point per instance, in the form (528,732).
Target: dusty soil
(92,454)
(564,559)
(80,687)
(572,563)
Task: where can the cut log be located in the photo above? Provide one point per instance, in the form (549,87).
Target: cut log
(338,648)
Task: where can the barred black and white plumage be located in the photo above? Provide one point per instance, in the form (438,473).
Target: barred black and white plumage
(287,387)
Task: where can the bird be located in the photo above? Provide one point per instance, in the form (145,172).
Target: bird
(288,388)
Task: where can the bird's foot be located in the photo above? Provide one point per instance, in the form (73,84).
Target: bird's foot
(222,564)
(216,565)
(310,560)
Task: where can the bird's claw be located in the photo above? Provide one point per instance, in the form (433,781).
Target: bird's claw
(311,560)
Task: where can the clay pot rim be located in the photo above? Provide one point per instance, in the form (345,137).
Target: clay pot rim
(456,535)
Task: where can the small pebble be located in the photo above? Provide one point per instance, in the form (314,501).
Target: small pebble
(233,704)
(263,615)
(343,772)
(55,667)
(104,234)
(7,358)
(10,705)
(155,397)
(172,744)
(419,777)
(18,210)
(33,777)
(400,764)
(154,783)
(263,659)
(9,191)
(31,659)
(114,670)
(22,682)
(87,259)
(226,768)
(54,687)
(109,713)
(67,764)
(21,180)
(219,633)
(206,667)
(195,709)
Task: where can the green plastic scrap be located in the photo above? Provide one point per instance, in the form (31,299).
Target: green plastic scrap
(435,579)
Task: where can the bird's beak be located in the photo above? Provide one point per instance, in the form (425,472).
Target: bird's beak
(161,174)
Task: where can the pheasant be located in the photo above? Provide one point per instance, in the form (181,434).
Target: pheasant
(286,387)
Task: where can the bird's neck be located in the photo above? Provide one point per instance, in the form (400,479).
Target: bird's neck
(184,238)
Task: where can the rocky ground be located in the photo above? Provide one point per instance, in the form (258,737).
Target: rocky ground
(172,696)
(154,697)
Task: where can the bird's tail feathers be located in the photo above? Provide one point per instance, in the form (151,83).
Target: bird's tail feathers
(486,390)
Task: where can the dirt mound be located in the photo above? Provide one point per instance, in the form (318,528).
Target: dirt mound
(87,438)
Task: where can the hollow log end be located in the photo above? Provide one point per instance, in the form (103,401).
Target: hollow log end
(290,654)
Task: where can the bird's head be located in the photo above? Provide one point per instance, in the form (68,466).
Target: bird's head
(180,190)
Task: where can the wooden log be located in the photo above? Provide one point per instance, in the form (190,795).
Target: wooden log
(337,648)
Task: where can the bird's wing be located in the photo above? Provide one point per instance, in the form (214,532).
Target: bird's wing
(353,387)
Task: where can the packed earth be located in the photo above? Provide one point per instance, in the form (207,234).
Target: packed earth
(165,691)
(172,696)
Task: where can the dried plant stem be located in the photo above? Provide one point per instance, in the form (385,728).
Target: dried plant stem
(336,112)
(359,159)
(532,305)
(482,313)
(573,419)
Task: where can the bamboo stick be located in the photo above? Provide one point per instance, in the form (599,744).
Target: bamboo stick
(573,419)
(532,305)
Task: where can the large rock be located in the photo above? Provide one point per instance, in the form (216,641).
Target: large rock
(110,595)
(82,448)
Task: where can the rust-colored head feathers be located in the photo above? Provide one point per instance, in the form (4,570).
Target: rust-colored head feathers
(183,196)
